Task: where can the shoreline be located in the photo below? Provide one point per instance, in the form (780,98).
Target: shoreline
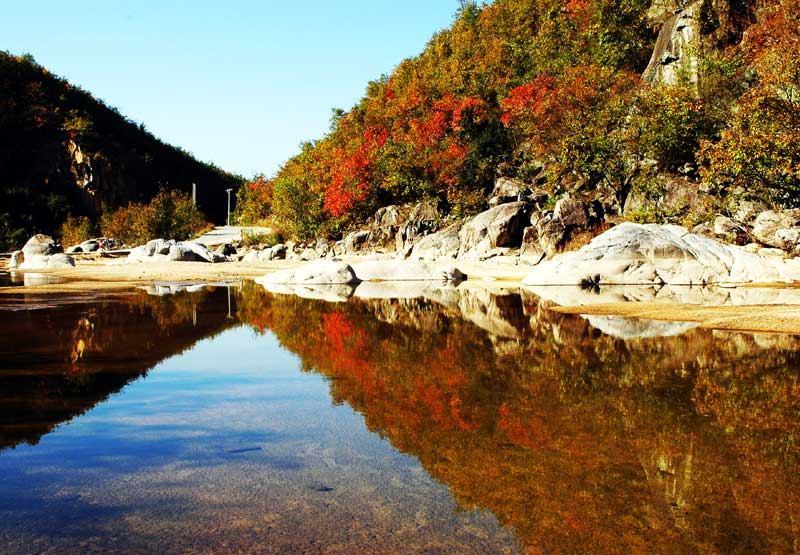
(99,275)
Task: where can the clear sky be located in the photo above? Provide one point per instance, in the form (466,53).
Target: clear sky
(237,83)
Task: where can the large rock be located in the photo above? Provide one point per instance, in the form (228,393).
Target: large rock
(161,250)
(443,243)
(356,240)
(318,272)
(40,245)
(731,231)
(405,270)
(201,252)
(634,254)
(17,258)
(571,213)
(501,226)
(421,220)
(767,224)
(43,262)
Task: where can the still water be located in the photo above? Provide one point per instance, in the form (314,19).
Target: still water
(232,420)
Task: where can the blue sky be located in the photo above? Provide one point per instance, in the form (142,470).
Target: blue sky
(237,83)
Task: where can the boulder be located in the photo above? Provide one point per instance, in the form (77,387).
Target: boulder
(510,187)
(59,260)
(201,252)
(317,272)
(730,231)
(160,250)
(443,243)
(634,254)
(769,222)
(42,262)
(307,254)
(501,226)
(17,258)
(421,220)
(551,234)
(179,253)
(225,249)
(746,211)
(356,240)
(788,239)
(404,270)
(278,252)
(40,245)
(571,213)
(530,244)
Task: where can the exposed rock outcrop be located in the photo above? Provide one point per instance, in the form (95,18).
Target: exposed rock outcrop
(675,54)
(634,254)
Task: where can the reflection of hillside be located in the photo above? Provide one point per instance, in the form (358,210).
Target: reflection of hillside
(583,442)
(59,362)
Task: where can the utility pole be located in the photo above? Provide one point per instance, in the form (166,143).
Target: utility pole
(229,206)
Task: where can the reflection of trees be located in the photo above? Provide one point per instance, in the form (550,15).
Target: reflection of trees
(64,360)
(582,442)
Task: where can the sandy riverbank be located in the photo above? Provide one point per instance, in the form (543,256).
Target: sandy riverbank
(100,275)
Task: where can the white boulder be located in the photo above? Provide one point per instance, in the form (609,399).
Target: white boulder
(634,254)
(317,272)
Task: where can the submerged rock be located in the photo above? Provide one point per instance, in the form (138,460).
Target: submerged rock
(635,254)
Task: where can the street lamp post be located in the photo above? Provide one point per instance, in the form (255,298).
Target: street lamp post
(229,207)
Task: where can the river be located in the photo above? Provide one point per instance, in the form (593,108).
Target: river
(232,420)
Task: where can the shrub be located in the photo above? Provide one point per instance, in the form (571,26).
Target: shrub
(77,229)
(170,215)
(270,239)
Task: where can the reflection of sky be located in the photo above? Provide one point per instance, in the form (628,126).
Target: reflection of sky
(231,423)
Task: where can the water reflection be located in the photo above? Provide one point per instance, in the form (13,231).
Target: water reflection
(580,435)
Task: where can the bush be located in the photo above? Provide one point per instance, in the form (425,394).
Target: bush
(252,238)
(170,215)
(76,230)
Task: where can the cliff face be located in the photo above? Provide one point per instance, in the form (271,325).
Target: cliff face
(64,152)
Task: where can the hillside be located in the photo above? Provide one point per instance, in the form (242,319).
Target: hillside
(651,111)
(63,152)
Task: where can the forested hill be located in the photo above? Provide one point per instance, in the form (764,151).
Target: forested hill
(605,100)
(63,152)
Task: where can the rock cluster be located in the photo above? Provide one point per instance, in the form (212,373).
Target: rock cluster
(161,250)
(39,253)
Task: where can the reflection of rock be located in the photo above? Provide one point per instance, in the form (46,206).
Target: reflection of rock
(634,254)
(499,313)
(629,328)
(332,293)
